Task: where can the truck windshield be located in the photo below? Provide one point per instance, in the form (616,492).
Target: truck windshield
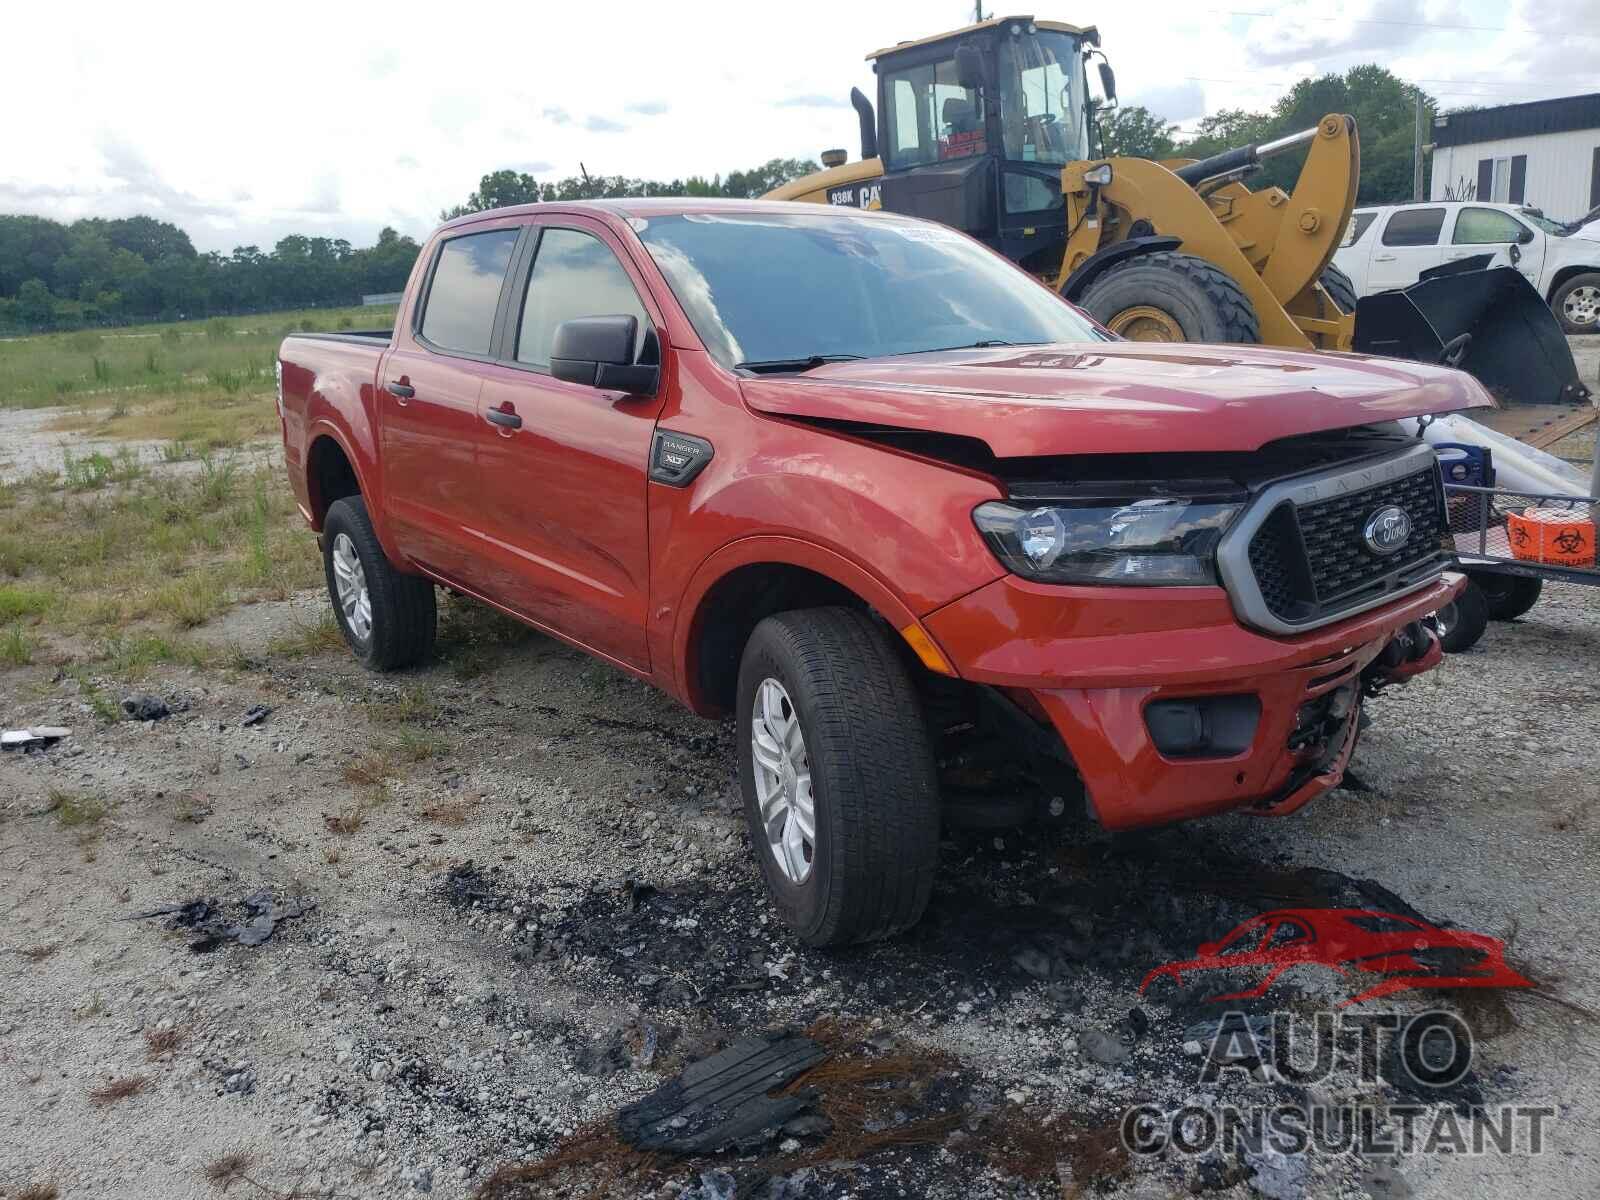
(1042,97)
(779,288)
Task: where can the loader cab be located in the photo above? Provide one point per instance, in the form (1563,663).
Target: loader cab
(974,127)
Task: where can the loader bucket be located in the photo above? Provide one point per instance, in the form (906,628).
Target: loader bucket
(1512,344)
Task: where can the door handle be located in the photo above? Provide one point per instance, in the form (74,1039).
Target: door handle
(504,419)
(404,390)
(1383,258)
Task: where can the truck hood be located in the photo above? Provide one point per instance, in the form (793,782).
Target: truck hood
(1119,397)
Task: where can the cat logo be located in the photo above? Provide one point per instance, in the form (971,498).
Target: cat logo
(856,195)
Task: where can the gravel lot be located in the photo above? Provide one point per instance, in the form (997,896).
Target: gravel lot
(478,980)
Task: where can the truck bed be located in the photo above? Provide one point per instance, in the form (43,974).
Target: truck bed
(361,337)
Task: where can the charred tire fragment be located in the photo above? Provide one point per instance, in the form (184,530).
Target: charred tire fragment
(1339,287)
(1462,622)
(404,614)
(1201,299)
(873,784)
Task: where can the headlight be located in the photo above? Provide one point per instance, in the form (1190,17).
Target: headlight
(1147,541)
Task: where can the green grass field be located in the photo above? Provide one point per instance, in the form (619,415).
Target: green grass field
(99,367)
(107,560)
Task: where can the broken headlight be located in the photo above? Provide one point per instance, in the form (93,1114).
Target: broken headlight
(1158,540)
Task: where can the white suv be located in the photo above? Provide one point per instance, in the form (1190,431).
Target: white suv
(1389,247)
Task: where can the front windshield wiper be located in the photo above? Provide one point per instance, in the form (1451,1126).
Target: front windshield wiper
(774,366)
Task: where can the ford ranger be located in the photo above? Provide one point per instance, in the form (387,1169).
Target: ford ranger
(852,478)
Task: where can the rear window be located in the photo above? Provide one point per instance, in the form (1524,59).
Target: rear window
(466,290)
(1414,227)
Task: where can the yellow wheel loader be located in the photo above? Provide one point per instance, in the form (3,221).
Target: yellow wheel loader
(990,129)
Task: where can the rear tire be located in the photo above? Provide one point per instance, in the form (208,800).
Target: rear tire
(1169,297)
(396,624)
(862,747)
(1462,622)
(1576,304)
(1507,596)
(1339,288)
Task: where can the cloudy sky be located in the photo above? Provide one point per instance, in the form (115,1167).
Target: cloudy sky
(339,118)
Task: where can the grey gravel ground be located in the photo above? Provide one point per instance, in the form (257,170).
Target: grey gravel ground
(430,1020)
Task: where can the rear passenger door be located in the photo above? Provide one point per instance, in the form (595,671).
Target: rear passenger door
(564,487)
(428,400)
(1409,243)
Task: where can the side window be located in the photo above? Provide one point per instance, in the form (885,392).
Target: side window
(1359,223)
(466,290)
(1414,227)
(1483,226)
(574,275)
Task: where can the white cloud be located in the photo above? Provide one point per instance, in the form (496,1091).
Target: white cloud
(339,119)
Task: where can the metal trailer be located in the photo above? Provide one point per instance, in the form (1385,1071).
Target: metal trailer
(1501,583)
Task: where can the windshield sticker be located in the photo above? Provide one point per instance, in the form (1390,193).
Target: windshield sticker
(927,233)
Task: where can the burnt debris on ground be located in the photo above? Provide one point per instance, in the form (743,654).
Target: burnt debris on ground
(210,924)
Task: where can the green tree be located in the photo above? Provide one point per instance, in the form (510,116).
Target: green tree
(1136,132)
(36,307)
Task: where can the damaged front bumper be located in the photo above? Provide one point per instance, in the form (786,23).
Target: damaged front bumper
(1168,707)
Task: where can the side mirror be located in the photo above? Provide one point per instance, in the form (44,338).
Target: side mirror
(1108,81)
(598,352)
(970,72)
(1516,253)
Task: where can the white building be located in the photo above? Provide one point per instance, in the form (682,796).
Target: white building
(1545,153)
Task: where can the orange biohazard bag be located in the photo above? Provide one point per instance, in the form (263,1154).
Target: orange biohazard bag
(1562,537)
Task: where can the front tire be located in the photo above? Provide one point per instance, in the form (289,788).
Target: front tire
(388,618)
(840,790)
(1577,304)
(1171,297)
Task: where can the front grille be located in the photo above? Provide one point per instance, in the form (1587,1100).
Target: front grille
(1311,561)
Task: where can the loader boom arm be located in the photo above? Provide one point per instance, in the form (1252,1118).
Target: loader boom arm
(1273,244)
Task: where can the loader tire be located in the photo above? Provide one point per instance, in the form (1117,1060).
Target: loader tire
(1172,297)
(1339,288)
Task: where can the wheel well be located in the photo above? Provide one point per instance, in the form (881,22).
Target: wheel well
(329,477)
(1565,274)
(735,605)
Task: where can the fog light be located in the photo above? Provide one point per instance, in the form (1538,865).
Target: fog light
(1204,726)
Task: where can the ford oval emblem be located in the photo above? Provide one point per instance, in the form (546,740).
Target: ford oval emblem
(1387,530)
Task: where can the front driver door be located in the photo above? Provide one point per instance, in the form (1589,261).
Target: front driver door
(564,510)
(1491,231)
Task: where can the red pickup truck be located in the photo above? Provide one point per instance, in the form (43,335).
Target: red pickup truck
(864,484)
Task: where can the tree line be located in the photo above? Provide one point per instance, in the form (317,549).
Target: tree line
(1382,103)
(114,272)
(100,272)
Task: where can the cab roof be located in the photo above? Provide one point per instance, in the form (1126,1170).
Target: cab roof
(669,206)
(991,23)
